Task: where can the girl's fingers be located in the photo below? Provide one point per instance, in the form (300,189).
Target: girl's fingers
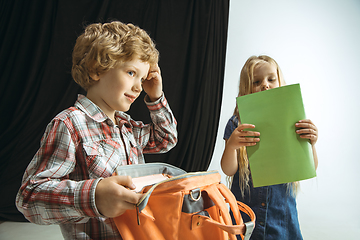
(243,126)
(306,127)
(248,144)
(248,140)
(307,123)
(312,138)
(241,132)
(248,134)
(309,136)
(306,131)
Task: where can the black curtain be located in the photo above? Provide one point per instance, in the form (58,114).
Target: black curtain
(36,41)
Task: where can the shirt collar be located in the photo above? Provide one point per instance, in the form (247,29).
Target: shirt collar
(90,109)
(94,112)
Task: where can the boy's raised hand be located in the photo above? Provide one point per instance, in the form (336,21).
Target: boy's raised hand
(152,85)
(307,129)
(112,196)
(240,138)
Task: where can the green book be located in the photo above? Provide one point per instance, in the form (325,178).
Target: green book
(281,156)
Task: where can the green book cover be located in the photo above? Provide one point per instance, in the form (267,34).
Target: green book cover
(281,156)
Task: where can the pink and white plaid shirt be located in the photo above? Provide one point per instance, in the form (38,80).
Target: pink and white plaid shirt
(80,146)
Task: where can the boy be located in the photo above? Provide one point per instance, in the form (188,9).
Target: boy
(69,181)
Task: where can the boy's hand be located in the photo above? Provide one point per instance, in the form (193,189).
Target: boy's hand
(307,130)
(112,197)
(152,85)
(240,138)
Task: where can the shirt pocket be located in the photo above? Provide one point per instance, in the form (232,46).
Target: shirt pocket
(103,156)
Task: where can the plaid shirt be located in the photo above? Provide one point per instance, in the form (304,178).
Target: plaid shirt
(80,146)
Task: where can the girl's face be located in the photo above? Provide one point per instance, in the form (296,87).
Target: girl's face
(265,77)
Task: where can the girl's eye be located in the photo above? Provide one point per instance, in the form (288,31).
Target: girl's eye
(131,73)
(256,82)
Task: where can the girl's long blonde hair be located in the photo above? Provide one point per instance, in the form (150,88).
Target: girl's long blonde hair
(245,87)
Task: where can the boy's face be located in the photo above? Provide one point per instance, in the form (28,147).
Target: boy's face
(118,88)
(265,77)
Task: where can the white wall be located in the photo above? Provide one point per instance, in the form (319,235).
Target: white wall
(316,44)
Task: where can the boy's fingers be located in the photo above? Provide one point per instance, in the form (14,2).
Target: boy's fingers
(127,205)
(152,75)
(154,71)
(154,68)
(131,197)
(125,181)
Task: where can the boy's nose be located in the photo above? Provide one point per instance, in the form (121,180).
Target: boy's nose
(137,87)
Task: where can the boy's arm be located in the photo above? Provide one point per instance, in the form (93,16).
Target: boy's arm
(152,85)
(161,135)
(47,195)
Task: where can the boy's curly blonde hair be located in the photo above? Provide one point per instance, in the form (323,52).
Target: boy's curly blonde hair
(103,46)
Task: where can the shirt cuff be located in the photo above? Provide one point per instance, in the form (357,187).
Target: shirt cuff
(157,105)
(148,102)
(85,199)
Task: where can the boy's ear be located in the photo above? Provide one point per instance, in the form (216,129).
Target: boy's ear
(94,76)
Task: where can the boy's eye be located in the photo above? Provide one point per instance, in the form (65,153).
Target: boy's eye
(131,73)
(256,82)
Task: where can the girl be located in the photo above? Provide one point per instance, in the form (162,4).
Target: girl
(274,206)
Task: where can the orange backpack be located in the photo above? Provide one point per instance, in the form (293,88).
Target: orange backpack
(183,206)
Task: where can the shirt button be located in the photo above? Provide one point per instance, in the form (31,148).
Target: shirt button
(101,150)
(263,204)
(261,223)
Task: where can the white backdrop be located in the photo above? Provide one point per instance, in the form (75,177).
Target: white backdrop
(316,44)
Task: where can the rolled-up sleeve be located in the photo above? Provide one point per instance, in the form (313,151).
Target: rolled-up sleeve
(161,135)
(47,195)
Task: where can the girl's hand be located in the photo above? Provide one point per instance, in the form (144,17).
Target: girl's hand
(152,85)
(113,196)
(307,130)
(240,138)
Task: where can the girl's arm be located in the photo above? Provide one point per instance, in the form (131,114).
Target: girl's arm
(229,160)
(315,156)
(309,130)
(239,138)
